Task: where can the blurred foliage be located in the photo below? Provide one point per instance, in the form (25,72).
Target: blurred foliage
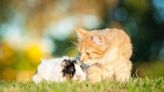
(3,10)
(34,29)
(152,69)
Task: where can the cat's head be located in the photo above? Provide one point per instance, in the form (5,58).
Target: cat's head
(92,44)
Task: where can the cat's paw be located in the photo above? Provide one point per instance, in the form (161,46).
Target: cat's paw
(122,78)
(94,74)
(95,79)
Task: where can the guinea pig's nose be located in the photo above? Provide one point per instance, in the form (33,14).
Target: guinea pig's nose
(78,77)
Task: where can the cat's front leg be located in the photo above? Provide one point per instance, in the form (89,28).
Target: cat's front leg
(94,74)
(123,72)
(123,77)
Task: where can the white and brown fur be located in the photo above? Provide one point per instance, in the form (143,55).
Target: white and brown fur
(59,70)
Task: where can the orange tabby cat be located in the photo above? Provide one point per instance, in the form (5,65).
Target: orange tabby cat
(108,53)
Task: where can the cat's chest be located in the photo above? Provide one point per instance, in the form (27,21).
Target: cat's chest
(109,67)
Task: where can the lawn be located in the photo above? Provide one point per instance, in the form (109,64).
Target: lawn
(134,85)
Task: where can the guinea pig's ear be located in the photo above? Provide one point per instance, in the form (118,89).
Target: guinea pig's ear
(74,61)
(64,63)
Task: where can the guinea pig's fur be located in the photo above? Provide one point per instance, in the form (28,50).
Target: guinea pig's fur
(59,70)
(69,68)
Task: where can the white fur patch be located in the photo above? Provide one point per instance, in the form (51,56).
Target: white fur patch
(79,74)
(51,70)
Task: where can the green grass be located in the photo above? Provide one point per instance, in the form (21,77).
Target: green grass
(134,85)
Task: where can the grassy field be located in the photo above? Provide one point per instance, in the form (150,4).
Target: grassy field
(134,85)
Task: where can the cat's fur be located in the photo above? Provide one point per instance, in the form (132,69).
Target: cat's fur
(108,53)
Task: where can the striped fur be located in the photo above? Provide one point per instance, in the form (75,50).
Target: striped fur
(107,52)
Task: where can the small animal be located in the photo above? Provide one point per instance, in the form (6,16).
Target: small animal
(59,70)
(69,68)
(107,52)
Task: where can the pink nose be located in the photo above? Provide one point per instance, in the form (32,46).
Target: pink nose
(82,57)
(78,77)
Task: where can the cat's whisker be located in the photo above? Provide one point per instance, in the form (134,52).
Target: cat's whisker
(74,43)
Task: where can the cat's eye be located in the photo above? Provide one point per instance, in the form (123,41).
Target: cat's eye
(87,53)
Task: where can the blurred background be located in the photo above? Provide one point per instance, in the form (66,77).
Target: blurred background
(35,29)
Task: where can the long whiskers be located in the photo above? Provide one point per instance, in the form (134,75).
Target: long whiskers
(74,43)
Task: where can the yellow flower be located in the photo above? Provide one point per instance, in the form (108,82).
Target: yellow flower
(24,75)
(9,74)
(6,53)
(34,52)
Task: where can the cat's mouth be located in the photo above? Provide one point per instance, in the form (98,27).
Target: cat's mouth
(89,62)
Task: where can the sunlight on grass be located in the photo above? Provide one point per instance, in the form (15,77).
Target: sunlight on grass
(134,85)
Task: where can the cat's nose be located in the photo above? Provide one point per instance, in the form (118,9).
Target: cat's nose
(81,59)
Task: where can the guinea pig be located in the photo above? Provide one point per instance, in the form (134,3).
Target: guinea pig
(59,70)
(68,68)
(73,69)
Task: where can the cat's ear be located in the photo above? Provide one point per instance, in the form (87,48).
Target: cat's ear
(64,63)
(80,32)
(97,39)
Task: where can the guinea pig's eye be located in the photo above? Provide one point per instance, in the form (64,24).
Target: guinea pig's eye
(74,61)
(71,68)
